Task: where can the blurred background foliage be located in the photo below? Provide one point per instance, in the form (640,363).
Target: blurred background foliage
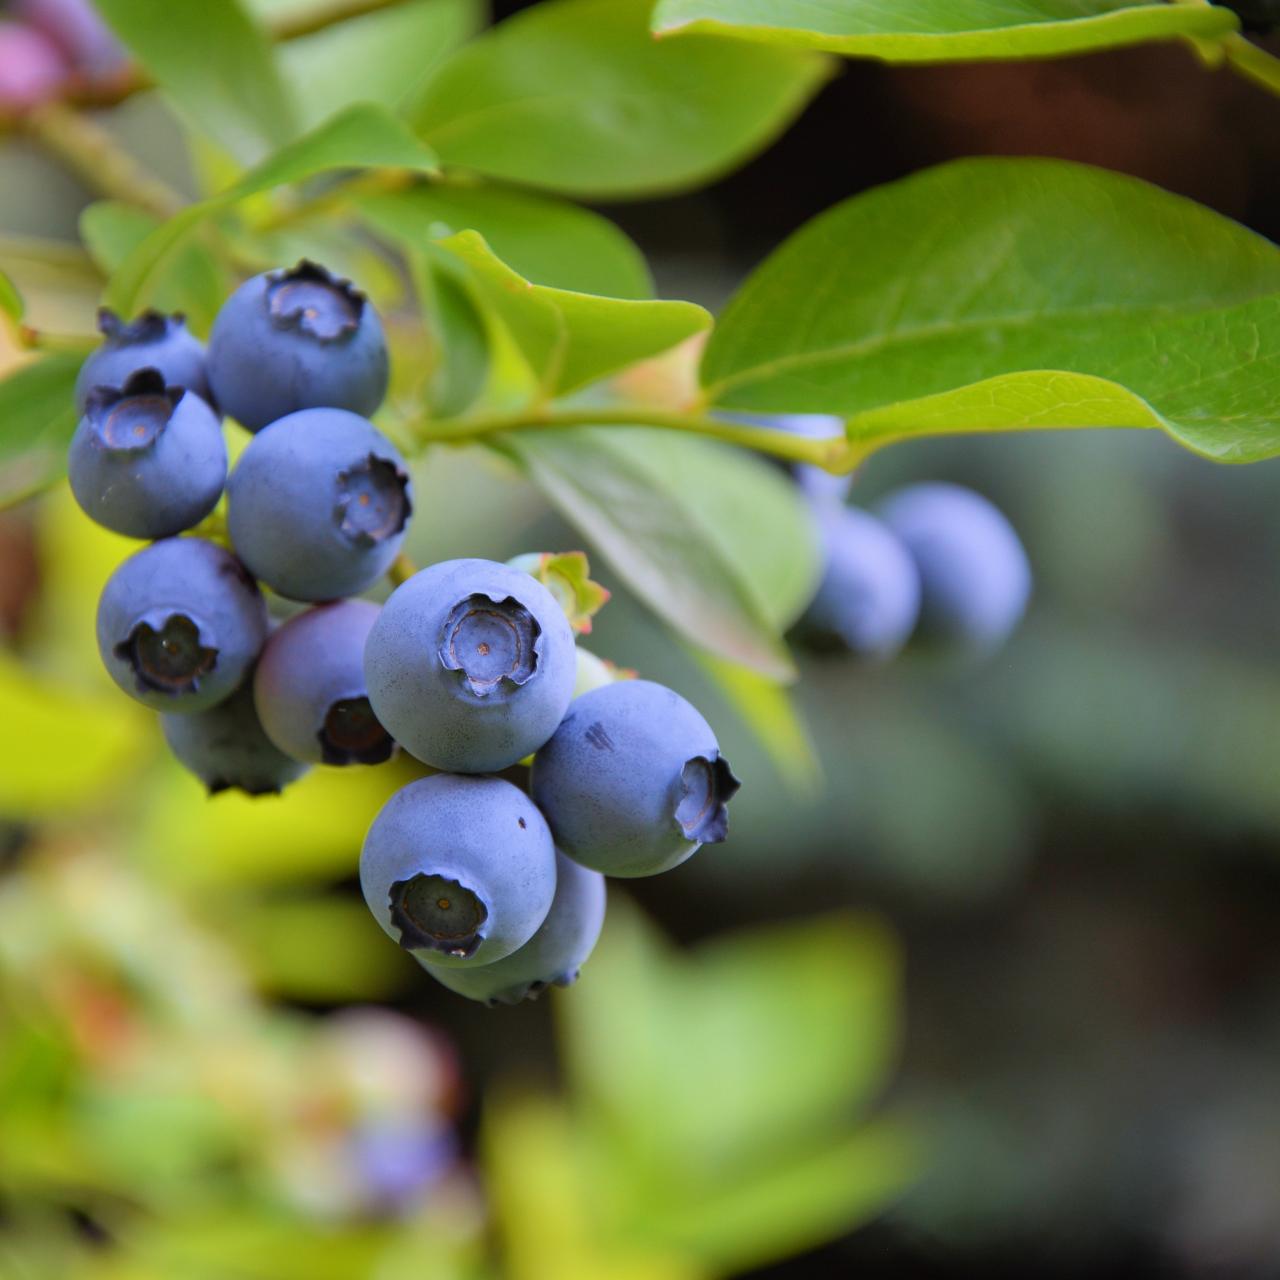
(212,1065)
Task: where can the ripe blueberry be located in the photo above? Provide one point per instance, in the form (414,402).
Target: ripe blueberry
(459,870)
(553,956)
(226,748)
(309,687)
(974,574)
(75,27)
(470,665)
(147,460)
(317,506)
(296,339)
(32,68)
(633,781)
(179,625)
(152,341)
(869,598)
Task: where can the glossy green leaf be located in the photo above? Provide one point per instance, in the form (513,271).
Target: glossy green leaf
(577,96)
(889,308)
(549,242)
(37,407)
(458,331)
(572,339)
(193,282)
(942,30)
(388,56)
(216,65)
(10,299)
(363,136)
(714,541)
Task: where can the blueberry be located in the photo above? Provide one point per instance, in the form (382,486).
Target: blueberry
(552,956)
(470,665)
(318,505)
(296,339)
(32,68)
(633,781)
(974,576)
(459,870)
(869,598)
(398,1159)
(152,341)
(74,25)
(147,461)
(226,748)
(179,625)
(309,687)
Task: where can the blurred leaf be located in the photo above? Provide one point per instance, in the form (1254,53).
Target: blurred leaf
(317,948)
(1175,305)
(37,408)
(942,30)
(10,299)
(644,499)
(71,748)
(193,284)
(388,56)
(215,63)
(576,96)
(458,332)
(572,339)
(363,136)
(549,242)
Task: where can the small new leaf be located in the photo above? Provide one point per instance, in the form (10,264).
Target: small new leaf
(567,575)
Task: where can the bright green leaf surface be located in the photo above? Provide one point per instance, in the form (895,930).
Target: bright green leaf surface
(577,96)
(641,498)
(193,282)
(215,63)
(942,30)
(888,305)
(549,242)
(571,339)
(364,136)
(37,408)
(387,56)
(10,298)
(458,330)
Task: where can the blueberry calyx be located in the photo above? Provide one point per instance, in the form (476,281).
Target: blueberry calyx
(352,734)
(437,913)
(707,784)
(132,418)
(373,501)
(149,326)
(167,658)
(311,300)
(489,641)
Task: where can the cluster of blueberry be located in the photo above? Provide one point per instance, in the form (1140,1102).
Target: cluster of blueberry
(495,884)
(936,564)
(51,47)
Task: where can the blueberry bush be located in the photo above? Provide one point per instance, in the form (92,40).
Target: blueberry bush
(381,243)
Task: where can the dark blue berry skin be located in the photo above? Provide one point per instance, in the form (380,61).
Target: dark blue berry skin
(317,506)
(152,341)
(470,665)
(296,339)
(869,598)
(309,687)
(975,579)
(147,461)
(552,956)
(226,748)
(632,782)
(180,623)
(458,870)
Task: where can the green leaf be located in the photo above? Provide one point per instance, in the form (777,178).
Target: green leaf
(572,339)
(37,407)
(547,241)
(363,136)
(388,56)
(942,30)
(10,299)
(714,541)
(193,284)
(458,331)
(576,96)
(215,63)
(1112,302)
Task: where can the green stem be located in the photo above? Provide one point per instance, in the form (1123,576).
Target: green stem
(1252,62)
(831,455)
